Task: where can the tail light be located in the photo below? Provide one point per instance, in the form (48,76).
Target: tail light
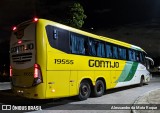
(35,19)
(14,28)
(19,41)
(37,75)
(11,73)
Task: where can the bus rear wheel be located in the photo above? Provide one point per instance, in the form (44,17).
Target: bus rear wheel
(99,88)
(84,90)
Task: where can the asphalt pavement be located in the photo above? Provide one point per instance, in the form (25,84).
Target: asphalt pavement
(149,102)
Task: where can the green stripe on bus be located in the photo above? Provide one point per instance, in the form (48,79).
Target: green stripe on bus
(125,72)
(128,72)
(132,71)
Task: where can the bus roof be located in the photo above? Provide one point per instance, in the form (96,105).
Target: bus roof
(106,39)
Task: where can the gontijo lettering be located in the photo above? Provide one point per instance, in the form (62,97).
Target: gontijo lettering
(21,48)
(102,63)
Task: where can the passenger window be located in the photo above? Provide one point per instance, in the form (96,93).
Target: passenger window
(108,51)
(77,44)
(100,49)
(58,38)
(137,56)
(131,54)
(115,52)
(122,53)
(141,56)
(91,48)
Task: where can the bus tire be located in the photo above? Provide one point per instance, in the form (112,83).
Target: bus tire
(84,90)
(141,81)
(99,88)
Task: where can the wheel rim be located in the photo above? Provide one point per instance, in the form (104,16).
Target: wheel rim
(84,90)
(99,88)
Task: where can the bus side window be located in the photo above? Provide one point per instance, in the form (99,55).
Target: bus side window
(132,56)
(122,53)
(141,56)
(91,48)
(77,44)
(58,38)
(108,51)
(115,52)
(137,56)
(100,49)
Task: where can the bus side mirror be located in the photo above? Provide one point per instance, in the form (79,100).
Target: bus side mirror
(149,62)
(150,59)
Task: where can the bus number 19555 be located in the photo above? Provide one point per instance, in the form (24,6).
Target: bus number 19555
(63,61)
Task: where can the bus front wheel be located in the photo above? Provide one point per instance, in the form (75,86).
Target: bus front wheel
(141,81)
(99,88)
(84,90)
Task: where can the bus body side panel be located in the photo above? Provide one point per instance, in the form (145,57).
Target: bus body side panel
(141,71)
(126,75)
(117,73)
(64,78)
(133,73)
(41,57)
(57,74)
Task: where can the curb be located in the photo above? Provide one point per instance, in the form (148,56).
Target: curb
(5,82)
(134,111)
(6,91)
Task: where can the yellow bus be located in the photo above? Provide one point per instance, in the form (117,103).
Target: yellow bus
(51,60)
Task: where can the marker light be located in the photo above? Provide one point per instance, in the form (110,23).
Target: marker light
(35,19)
(19,41)
(53,90)
(14,28)
(11,73)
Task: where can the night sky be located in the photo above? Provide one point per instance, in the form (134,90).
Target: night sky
(126,20)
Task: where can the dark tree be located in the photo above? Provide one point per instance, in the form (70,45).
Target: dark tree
(76,16)
(68,13)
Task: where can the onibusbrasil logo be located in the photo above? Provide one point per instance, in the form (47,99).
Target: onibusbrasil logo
(13,107)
